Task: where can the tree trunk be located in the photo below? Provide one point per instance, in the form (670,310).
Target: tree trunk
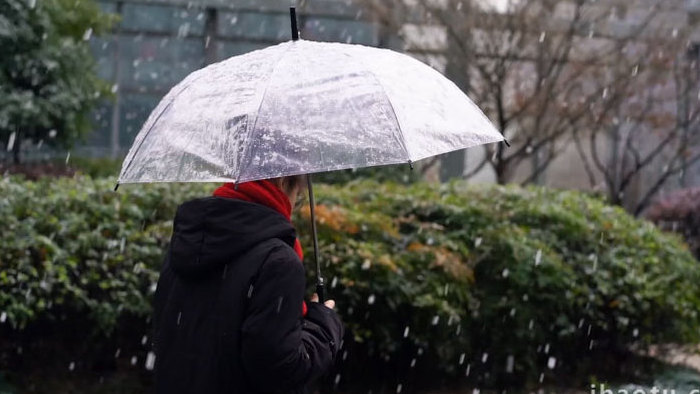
(501,166)
(501,177)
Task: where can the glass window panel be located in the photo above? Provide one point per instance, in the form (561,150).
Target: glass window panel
(226,49)
(163,19)
(107,6)
(135,108)
(102,49)
(101,125)
(340,30)
(254,25)
(157,63)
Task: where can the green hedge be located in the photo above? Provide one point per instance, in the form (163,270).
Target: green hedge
(529,278)
(497,286)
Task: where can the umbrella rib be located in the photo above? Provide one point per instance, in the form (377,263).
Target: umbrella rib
(249,132)
(400,137)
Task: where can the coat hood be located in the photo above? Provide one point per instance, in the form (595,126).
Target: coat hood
(211,232)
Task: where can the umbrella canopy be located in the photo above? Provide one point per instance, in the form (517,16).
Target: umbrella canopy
(303,107)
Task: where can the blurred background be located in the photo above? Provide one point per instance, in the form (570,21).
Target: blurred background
(597,95)
(564,261)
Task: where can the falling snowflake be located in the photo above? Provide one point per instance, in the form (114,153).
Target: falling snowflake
(150,361)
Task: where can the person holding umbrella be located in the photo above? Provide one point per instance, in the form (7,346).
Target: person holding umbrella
(229,312)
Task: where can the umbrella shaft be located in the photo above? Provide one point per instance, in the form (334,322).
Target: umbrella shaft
(312,204)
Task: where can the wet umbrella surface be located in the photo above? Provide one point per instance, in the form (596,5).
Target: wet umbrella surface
(303,107)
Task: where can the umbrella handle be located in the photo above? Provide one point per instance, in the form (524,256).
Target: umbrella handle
(321,290)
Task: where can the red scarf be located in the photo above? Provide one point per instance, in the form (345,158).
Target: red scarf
(265,193)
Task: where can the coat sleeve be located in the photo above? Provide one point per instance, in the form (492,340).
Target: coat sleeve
(280,350)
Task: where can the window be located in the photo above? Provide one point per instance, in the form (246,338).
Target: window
(225,50)
(340,30)
(135,109)
(102,124)
(102,49)
(157,63)
(254,25)
(163,19)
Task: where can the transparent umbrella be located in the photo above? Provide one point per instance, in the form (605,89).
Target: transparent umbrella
(303,107)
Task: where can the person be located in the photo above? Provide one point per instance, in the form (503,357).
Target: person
(229,310)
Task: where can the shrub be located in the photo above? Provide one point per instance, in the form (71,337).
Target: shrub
(92,167)
(496,285)
(72,246)
(37,170)
(522,282)
(95,167)
(399,173)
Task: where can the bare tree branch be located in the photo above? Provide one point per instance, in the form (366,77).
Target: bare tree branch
(549,81)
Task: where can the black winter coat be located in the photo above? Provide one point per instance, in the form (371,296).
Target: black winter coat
(228,307)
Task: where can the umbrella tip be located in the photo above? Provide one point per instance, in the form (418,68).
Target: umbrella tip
(293,18)
(410,164)
(116,186)
(505,141)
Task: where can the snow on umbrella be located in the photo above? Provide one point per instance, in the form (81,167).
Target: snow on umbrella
(302,107)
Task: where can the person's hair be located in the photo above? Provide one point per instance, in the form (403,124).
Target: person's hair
(289,183)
